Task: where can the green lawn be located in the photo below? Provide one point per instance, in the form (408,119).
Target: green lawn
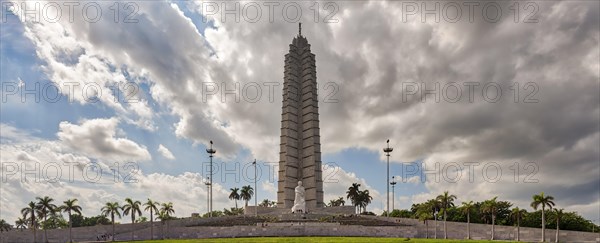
(313,239)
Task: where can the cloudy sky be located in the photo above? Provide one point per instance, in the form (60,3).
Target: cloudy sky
(107,100)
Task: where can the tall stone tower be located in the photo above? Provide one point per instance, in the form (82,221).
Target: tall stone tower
(300,148)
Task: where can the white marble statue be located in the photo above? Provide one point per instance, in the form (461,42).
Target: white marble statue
(299,203)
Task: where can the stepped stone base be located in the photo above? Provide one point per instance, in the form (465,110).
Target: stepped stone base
(298,224)
(250,210)
(191,228)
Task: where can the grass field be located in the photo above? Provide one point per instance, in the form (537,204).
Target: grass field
(314,239)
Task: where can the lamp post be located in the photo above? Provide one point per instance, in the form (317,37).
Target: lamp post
(388,150)
(210,152)
(255,191)
(207,183)
(393,183)
(435,220)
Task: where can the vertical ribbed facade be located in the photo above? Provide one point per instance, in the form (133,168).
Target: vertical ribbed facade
(300,148)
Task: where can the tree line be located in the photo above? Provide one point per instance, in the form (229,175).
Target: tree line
(545,214)
(491,211)
(45,214)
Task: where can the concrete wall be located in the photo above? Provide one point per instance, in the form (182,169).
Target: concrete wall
(245,231)
(413,229)
(458,230)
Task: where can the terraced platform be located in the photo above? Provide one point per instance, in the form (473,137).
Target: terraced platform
(305,219)
(293,225)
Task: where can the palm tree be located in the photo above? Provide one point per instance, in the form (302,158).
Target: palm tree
(153,207)
(69,207)
(447,201)
(20,223)
(434,207)
(558,213)
(352,194)
(517,214)
(246,193)
(112,209)
(466,209)
(490,207)
(4,226)
(46,207)
(331,203)
(166,210)
(265,203)
(364,199)
(337,202)
(132,207)
(29,214)
(234,195)
(545,201)
(163,218)
(236,211)
(340,201)
(424,213)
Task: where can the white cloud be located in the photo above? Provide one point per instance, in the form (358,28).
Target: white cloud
(11,134)
(97,138)
(403,202)
(82,73)
(269,187)
(64,175)
(336,182)
(559,132)
(411,180)
(165,152)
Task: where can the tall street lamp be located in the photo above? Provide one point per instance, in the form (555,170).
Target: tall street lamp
(393,183)
(211,152)
(435,213)
(207,183)
(388,150)
(255,191)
